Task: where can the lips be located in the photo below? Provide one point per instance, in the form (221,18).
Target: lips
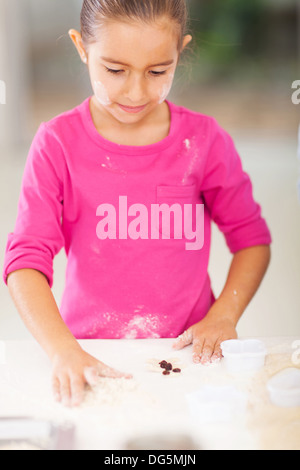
(132,109)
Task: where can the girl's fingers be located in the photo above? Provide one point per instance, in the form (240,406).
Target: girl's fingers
(207,352)
(56,389)
(197,350)
(106,371)
(77,390)
(65,390)
(184,340)
(92,374)
(69,388)
(68,391)
(217,354)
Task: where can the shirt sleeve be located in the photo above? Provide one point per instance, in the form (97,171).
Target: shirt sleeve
(228,195)
(37,235)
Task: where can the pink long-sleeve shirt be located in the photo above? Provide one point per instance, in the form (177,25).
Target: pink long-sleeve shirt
(135,222)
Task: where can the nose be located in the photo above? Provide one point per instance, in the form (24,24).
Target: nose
(135,89)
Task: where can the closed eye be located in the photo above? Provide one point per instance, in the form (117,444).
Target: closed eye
(113,71)
(117,72)
(158,73)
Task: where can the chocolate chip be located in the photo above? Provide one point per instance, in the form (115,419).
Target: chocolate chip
(163,364)
(168,367)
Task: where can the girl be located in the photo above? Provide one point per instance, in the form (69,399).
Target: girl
(121,182)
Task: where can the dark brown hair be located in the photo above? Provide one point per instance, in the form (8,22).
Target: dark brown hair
(94,12)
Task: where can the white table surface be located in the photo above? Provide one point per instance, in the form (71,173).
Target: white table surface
(151,403)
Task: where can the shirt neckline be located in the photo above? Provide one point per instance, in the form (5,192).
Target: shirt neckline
(128,149)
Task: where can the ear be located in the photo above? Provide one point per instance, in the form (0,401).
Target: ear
(77,40)
(186,40)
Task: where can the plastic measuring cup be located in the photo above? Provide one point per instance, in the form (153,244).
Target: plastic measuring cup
(243,356)
(284,387)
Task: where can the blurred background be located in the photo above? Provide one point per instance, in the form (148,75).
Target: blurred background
(240,68)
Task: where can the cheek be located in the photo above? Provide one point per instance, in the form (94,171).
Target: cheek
(165,89)
(101,93)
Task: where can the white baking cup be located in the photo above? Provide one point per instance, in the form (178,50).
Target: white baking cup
(284,387)
(243,356)
(212,404)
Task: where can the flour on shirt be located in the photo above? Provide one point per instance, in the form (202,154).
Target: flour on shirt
(137,325)
(145,326)
(187,143)
(192,152)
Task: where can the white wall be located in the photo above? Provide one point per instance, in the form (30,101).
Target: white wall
(3,75)
(14,60)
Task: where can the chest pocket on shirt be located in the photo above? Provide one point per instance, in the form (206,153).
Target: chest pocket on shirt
(172,211)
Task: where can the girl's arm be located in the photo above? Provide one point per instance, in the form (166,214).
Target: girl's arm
(72,367)
(246,272)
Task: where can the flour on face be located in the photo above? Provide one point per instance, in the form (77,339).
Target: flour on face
(101,93)
(166,89)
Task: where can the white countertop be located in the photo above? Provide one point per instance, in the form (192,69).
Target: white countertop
(150,403)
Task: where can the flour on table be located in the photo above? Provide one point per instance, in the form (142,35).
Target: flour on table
(111,392)
(19,446)
(278,428)
(117,393)
(121,404)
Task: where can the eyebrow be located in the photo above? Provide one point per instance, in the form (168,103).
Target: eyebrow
(113,61)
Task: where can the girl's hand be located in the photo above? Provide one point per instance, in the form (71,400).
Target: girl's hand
(206,337)
(73,369)
(246,272)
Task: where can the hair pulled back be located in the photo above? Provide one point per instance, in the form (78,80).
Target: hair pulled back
(95,12)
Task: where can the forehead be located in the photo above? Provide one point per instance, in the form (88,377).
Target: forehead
(136,43)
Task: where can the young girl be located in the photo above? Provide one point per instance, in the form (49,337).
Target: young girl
(128,183)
